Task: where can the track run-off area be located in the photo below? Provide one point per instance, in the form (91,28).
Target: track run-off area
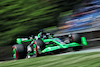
(88,50)
(89,57)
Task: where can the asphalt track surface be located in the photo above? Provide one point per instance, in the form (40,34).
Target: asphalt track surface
(86,50)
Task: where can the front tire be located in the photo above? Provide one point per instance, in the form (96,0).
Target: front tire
(19,52)
(38,46)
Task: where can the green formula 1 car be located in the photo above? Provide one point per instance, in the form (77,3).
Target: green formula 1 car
(44,43)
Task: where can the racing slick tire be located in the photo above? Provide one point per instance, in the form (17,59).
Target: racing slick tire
(19,51)
(75,38)
(39,45)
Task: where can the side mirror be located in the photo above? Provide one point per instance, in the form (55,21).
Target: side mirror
(31,37)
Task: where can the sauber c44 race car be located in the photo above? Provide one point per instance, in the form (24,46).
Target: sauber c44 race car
(44,43)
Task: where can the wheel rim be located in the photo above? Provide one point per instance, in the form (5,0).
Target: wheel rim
(34,49)
(14,53)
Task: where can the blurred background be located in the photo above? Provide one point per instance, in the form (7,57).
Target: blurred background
(86,15)
(27,17)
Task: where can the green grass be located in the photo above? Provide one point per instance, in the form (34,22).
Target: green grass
(67,13)
(71,60)
(49,29)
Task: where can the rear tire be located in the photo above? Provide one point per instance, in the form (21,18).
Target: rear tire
(19,52)
(75,38)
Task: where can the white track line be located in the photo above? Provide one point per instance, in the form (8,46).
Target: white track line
(82,51)
(95,39)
